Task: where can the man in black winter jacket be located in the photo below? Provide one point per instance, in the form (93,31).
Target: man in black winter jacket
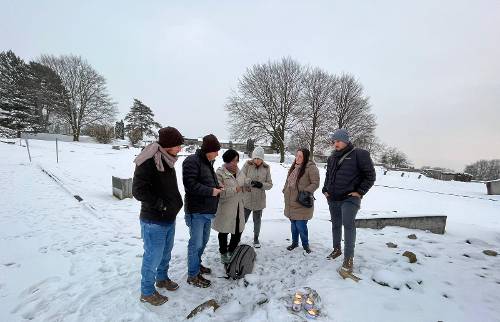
(200,205)
(349,176)
(155,185)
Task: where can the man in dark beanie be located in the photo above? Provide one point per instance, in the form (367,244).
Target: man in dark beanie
(349,176)
(200,205)
(155,185)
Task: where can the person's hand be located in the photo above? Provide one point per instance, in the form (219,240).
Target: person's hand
(327,195)
(355,194)
(239,189)
(216,192)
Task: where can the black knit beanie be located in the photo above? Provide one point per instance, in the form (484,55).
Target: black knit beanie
(229,155)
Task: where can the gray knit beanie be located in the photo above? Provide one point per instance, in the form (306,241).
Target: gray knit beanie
(258,153)
(340,135)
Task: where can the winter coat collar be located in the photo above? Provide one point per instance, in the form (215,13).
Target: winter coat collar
(227,172)
(264,164)
(340,153)
(203,156)
(310,164)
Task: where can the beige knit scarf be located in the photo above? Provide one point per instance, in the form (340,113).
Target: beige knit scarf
(153,151)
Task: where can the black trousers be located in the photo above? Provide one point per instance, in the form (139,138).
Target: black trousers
(235,238)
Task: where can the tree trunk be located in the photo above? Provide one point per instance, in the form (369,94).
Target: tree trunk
(282,152)
(313,139)
(76,135)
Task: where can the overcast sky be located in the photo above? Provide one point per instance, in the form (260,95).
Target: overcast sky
(431,68)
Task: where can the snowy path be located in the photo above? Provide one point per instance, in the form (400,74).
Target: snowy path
(61,262)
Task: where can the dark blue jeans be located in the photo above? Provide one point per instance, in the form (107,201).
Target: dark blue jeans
(158,243)
(199,233)
(299,227)
(344,213)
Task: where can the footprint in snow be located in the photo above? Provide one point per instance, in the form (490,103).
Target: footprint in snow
(10,264)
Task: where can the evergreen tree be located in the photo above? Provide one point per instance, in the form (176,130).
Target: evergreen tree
(16,104)
(48,95)
(141,119)
(119,130)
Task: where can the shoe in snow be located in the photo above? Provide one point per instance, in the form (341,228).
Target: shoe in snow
(292,247)
(205,270)
(346,270)
(198,282)
(335,253)
(256,243)
(348,264)
(307,249)
(168,284)
(155,299)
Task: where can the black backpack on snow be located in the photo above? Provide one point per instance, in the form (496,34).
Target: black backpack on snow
(241,262)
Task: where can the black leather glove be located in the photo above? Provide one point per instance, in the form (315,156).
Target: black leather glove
(256,184)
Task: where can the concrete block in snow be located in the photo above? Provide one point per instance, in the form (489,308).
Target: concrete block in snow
(434,224)
(122,188)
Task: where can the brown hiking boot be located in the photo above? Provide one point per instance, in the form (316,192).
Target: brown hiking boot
(348,264)
(204,280)
(198,281)
(335,253)
(168,284)
(205,270)
(155,299)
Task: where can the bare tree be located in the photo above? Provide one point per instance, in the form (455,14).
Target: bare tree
(394,158)
(352,110)
(89,101)
(372,144)
(316,111)
(484,169)
(266,105)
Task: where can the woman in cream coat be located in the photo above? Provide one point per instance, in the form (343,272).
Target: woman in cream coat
(230,217)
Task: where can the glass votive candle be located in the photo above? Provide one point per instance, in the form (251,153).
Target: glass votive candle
(297,305)
(309,304)
(312,313)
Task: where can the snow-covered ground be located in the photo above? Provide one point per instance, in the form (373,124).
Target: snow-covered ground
(64,260)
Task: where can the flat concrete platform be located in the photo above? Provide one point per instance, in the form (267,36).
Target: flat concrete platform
(434,224)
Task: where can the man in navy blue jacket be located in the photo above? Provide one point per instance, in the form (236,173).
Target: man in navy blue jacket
(200,205)
(349,176)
